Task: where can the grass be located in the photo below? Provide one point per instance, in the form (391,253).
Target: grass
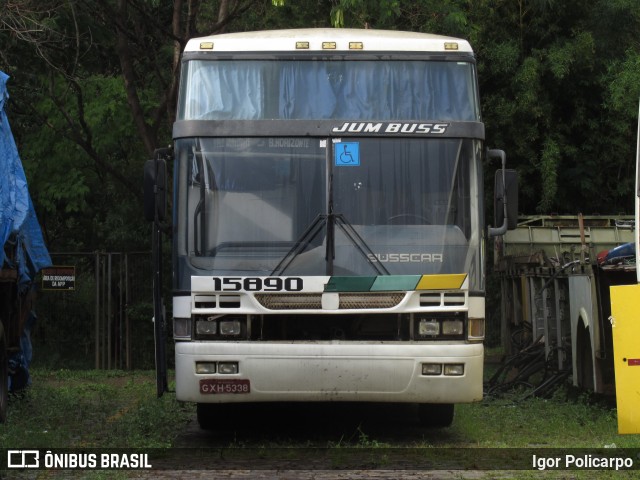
(111,409)
(558,422)
(90,408)
(116,409)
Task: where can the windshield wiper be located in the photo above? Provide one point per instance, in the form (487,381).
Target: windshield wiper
(300,244)
(359,243)
(331,220)
(200,209)
(206,180)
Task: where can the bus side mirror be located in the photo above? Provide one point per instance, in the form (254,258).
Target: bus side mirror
(155,189)
(505,196)
(506,187)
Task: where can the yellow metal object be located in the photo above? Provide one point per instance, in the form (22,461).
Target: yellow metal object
(453,281)
(625,323)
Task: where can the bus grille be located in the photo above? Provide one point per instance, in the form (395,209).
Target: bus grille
(290,301)
(370,300)
(313,301)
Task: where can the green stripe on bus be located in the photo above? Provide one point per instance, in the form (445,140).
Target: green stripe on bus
(349,284)
(395,283)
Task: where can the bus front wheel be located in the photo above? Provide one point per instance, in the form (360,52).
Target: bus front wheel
(206,415)
(435,415)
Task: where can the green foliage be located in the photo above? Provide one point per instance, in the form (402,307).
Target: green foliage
(502,59)
(558,83)
(79,204)
(554,82)
(554,423)
(288,14)
(111,409)
(549,169)
(623,83)
(574,54)
(552,118)
(365,13)
(115,409)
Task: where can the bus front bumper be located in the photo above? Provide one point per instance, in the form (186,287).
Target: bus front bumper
(328,371)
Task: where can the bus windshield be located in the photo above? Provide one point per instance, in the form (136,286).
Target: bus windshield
(227,89)
(313,206)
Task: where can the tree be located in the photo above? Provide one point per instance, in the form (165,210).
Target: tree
(558,92)
(553,83)
(545,96)
(106,106)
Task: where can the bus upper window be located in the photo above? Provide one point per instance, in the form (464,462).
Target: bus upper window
(367,90)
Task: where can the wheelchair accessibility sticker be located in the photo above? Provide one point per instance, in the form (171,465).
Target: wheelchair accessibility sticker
(347,154)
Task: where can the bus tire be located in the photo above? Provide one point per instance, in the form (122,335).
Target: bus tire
(584,361)
(4,376)
(435,415)
(206,414)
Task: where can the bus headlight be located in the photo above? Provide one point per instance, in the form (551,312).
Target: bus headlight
(454,369)
(220,327)
(205,367)
(452,327)
(230,328)
(428,328)
(431,369)
(206,327)
(440,326)
(228,368)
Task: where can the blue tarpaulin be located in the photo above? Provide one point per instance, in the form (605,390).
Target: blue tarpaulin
(18,221)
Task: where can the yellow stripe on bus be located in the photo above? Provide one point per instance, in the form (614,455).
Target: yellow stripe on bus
(452,281)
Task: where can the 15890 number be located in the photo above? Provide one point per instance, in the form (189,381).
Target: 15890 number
(258,284)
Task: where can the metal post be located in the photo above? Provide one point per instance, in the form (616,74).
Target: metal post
(97,319)
(127,299)
(120,308)
(158,313)
(123,310)
(102,312)
(109,316)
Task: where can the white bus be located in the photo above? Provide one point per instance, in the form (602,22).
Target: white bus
(328,227)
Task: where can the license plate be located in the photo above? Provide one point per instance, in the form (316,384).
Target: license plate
(213,386)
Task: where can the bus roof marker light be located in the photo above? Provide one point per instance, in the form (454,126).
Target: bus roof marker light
(328,45)
(302,45)
(206,45)
(356,46)
(451,45)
